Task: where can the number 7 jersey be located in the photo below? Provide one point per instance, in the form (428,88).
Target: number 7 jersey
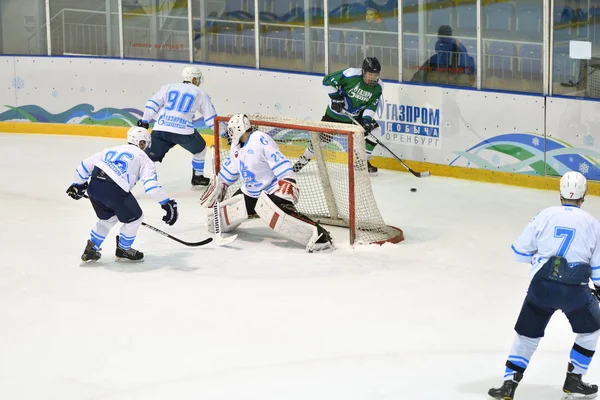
(565,231)
(259,163)
(176,105)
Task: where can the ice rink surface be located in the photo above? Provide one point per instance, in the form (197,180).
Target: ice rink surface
(429,318)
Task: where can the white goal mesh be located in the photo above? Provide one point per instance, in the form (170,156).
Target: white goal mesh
(334,187)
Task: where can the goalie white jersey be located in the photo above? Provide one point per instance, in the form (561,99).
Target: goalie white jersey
(565,231)
(176,105)
(125,165)
(260,164)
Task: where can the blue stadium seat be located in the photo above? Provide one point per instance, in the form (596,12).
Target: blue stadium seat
(410,21)
(248,44)
(466,17)
(391,5)
(319,43)
(226,40)
(471,46)
(440,15)
(530,61)
(233,5)
(529,18)
(499,16)
(501,57)
(410,54)
(275,43)
(354,41)
(563,69)
(298,42)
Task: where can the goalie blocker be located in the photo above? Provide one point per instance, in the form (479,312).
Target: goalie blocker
(276,209)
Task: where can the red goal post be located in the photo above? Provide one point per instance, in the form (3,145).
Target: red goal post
(335,186)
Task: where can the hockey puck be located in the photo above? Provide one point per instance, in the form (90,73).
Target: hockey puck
(413,189)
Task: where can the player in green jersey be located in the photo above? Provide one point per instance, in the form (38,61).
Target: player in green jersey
(356,92)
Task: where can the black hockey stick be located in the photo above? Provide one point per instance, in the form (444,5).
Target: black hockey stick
(423,174)
(190,244)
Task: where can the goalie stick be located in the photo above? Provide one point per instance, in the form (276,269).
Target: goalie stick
(423,174)
(219,239)
(165,234)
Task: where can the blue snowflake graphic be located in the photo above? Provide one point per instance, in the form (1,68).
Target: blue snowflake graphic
(18,82)
(588,140)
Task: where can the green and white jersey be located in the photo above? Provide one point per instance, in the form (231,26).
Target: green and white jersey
(361,99)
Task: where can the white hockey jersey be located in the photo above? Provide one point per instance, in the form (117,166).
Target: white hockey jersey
(565,231)
(125,165)
(260,164)
(176,105)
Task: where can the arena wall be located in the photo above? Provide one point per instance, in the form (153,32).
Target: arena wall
(490,136)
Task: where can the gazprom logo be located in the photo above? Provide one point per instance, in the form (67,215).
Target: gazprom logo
(411,124)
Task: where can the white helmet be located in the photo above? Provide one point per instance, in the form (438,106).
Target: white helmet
(573,186)
(238,125)
(190,72)
(136,134)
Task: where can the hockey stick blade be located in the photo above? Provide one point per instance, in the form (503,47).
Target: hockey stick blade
(224,241)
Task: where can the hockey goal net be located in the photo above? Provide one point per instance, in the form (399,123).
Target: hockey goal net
(335,187)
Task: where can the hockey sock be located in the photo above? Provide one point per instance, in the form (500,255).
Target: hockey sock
(370,146)
(128,233)
(520,354)
(98,234)
(581,356)
(198,162)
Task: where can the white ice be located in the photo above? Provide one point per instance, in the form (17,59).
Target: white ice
(429,318)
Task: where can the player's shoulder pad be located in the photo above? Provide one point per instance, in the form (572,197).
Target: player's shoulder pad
(350,72)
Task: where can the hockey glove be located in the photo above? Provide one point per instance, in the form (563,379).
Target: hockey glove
(596,292)
(143,124)
(288,190)
(76,191)
(171,213)
(369,124)
(338,104)
(214,194)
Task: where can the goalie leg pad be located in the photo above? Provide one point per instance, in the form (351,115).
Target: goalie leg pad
(285,224)
(232,212)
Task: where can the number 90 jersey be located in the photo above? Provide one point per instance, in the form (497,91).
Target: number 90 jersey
(258,162)
(176,105)
(125,165)
(565,231)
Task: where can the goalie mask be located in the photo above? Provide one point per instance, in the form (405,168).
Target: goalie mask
(136,134)
(238,125)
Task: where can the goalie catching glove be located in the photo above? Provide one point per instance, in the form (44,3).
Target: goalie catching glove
(215,192)
(288,190)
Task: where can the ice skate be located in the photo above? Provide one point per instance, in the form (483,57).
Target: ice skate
(372,170)
(90,254)
(575,388)
(507,390)
(199,180)
(128,255)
